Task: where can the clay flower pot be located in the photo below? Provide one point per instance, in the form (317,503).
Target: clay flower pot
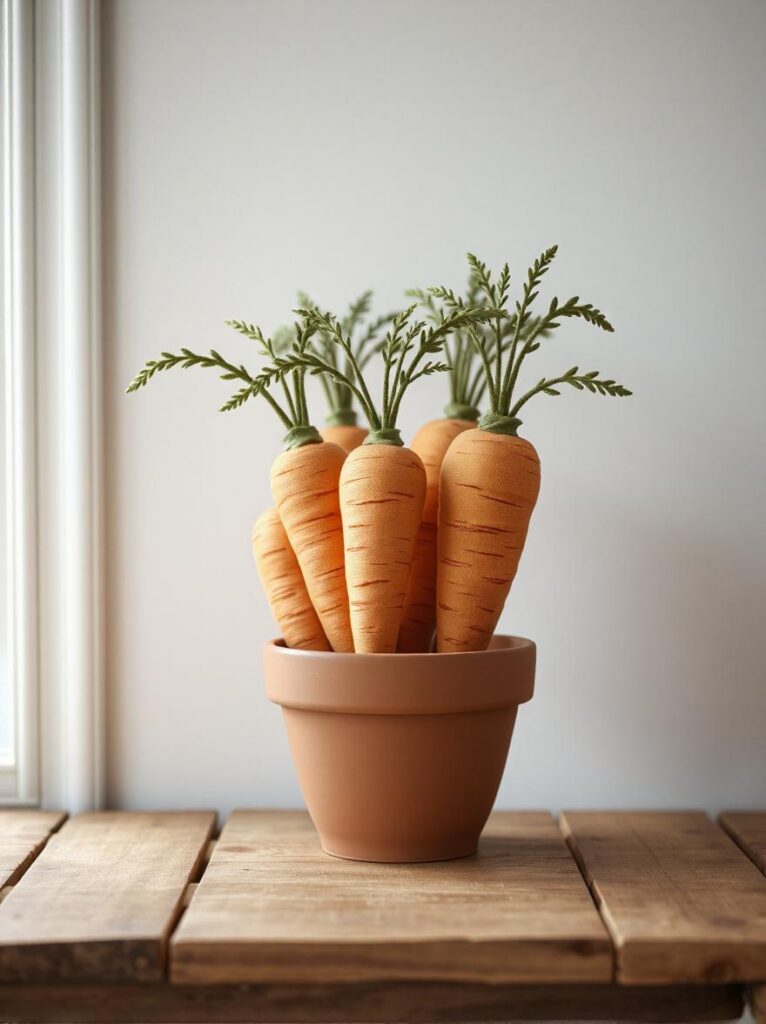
(399,756)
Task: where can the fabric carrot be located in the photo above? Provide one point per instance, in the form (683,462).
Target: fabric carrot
(490,477)
(304,477)
(466,387)
(419,618)
(382,484)
(304,485)
(284,585)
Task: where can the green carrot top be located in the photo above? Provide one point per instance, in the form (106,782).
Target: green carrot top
(365,340)
(291,408)
(404,350)
(466,380)
(511,336)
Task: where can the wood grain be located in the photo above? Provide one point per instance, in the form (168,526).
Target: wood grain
(748,830)
(23,834)
(273,907)
(375,1003)
(100,900)
(681,902)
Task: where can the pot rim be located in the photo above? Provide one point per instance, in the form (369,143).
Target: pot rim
(500,677)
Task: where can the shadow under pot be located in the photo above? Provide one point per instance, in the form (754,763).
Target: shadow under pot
(399,756)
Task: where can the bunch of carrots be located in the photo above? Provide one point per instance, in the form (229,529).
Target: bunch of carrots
(374,547)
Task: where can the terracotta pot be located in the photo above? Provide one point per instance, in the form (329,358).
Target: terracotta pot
(399,756)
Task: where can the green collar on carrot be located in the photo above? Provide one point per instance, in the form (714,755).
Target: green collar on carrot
(296,437)
(461,411)
(499,424)
(385,436)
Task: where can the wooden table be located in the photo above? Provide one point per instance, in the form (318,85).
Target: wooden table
(120,917)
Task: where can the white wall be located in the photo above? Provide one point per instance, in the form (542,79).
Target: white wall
(256,147)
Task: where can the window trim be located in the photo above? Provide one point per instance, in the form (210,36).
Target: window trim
(52,58)
(20,783)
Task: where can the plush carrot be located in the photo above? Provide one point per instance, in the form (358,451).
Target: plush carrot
(419,617)
(431,443)
(467,386)
(284,585)
(382,485)
(341,424)
(304,477)
(490,476)
(304,484)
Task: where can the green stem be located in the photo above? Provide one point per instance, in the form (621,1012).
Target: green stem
(328,386)
(513,369)
(487,368)
(390,413)
(406,380)
(386,382)
(476,388)
(509,381)
(300,394)
(357,373)
(498,356)
(332,371)
(278,409)
(466,361)
(536,391)
(451,363)
(289,398)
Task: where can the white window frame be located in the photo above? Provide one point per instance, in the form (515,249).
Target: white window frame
(52,324)
(19,783)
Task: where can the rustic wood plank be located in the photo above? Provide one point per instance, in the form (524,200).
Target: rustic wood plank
(757,1001)
(273,907)
(100,900)
(748,830)
(373,1002)
(23,834)
(681,902)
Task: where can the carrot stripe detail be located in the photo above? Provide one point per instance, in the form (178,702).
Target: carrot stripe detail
(382,490)
(488,488)
(284,585)
(304,483)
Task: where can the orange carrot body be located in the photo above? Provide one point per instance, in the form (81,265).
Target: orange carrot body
(346,437)
(430,443)
(284,585)
(488,489)
(304,483)
(382,490)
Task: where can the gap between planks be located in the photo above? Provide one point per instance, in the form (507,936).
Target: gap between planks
(681,903)
(48,822)
(100,903)
(191,888)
